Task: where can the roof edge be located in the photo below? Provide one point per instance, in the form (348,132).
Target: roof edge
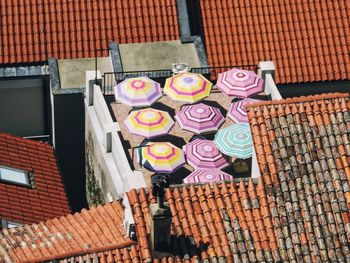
(309,98)
(81,252)
(235,181)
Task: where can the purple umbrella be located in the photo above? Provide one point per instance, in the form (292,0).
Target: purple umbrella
(199,118)
(137,92)
(204,154)
(207,176)
(240,83)
(237,111)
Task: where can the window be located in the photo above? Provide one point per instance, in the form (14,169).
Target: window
(9,224)
(14,176)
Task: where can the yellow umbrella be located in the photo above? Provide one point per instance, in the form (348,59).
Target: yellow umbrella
(187,87)
(161,157)
(149,122)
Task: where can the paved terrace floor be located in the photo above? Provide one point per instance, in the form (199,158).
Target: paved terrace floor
(177,136)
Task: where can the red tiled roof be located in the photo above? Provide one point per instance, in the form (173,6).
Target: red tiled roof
(232,221)
(289,219)
(307,40)
(283,128)
(47,199)
(303,151)
(128,254)
(97,229)
(32,31)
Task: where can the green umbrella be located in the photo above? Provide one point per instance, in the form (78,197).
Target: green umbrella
(235,141)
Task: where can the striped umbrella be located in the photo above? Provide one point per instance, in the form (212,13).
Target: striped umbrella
(149,122)
(237,111)
(207,176)
(187,87)
(161,157)
(137,92)
(240,83)
(235,140)
(199,118)
(204,154)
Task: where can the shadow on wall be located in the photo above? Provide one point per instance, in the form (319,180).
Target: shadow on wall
(93,190)
(304,89)
(70,143)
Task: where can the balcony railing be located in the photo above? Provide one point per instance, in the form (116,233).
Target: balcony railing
(110,79)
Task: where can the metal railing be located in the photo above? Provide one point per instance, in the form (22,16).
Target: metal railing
(110,79)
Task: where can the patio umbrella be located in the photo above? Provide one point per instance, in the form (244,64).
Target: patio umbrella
(235,140)
(240,83)
(199,118)
(207,176)
(161,157)
(187,87)
(149,122)
(237,111)
(204,154)
(137,92)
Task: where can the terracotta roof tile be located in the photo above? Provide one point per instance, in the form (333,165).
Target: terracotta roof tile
(306,40)
(229,219)
(32,32)
(309,137)
(46,198)
(69,236)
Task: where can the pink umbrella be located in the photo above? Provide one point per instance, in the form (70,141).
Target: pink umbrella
(204,154)
(237,111)
(207,176)
(199,118)
(240,83)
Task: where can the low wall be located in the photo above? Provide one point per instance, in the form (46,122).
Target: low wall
(109,174)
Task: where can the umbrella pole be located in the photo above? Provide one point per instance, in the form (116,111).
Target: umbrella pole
(139,149)
(161,200)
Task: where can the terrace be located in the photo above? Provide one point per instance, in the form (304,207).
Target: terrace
(120,144)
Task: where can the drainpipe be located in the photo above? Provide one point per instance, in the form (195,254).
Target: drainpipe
(184,22)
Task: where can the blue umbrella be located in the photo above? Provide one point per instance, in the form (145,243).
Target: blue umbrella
(235,141)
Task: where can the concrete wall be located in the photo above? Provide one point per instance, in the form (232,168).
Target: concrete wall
(108,164)
(72,71)
(266,71)
(96,178)
(157,55)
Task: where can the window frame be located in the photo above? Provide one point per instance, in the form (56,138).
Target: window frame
(26,174)
(5,224)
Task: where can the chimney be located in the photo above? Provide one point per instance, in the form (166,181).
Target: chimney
(161,218)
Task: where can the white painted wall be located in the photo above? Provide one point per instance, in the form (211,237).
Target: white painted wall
(266,71)
(108,147)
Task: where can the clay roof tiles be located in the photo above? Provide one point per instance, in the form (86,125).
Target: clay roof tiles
(88,232)
(303,151)
(33,31)
(46,198)
(308,41)
(224,221)
(286,219)
(297,211)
